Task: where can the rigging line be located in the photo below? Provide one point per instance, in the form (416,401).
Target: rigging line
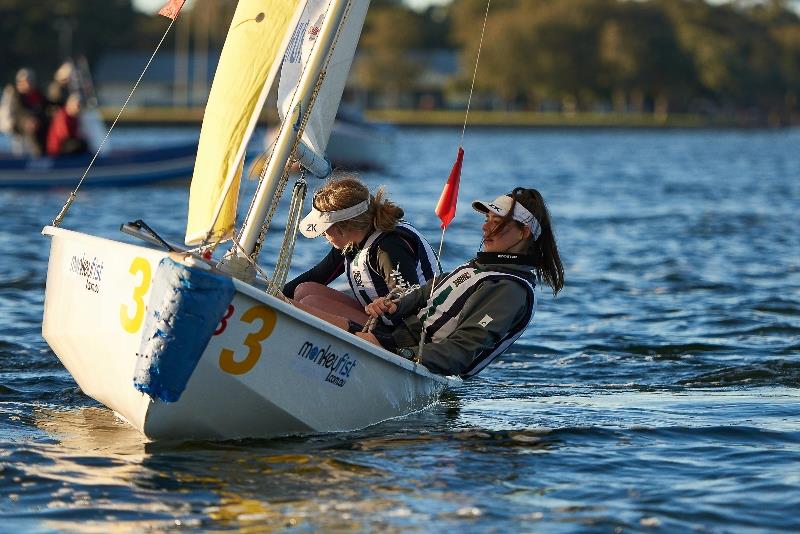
(418,357)
(74,194)
(475,72)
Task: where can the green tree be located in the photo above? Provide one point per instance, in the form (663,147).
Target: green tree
(642,58)
(390,32)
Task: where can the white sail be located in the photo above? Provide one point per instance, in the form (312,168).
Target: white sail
(320,124)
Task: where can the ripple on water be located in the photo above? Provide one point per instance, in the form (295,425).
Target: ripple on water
(659,387)
(769,373)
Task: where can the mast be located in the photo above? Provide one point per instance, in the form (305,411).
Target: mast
(239,261)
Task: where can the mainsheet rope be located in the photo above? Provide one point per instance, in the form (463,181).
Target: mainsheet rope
(73,195)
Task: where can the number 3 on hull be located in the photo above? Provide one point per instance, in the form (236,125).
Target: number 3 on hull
(252,341)
(134,323)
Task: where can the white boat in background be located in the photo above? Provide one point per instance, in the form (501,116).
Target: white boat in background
(355,143)
(183,347)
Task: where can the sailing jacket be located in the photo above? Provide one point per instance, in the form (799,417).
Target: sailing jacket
(370,264)
(474,314)
(369,283)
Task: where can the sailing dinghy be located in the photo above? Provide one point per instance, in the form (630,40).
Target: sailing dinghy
(180,346)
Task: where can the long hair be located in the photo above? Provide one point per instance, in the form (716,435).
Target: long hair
(347,191)
(544,249)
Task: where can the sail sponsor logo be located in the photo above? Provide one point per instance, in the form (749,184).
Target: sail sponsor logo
(90,270)
(336,368)
(313,32)
(295,48)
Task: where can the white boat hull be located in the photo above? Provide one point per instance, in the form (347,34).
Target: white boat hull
(268,370)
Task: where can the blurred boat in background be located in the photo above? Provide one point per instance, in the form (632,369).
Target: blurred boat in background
(354,143)
(113,166)
(121,167)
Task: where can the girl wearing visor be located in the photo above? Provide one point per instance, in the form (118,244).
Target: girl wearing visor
(479,309)
(369,241)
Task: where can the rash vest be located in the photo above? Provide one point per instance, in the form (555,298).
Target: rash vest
(367,284)
(440,315)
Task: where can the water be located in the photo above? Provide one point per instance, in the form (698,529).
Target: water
(659,392)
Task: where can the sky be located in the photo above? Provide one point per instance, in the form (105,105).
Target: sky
(151,6)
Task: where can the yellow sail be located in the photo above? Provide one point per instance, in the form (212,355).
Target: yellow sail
(253,51)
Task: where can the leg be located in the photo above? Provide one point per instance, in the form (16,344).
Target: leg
(309,289)
(335,320)
(325,305)
(369,337)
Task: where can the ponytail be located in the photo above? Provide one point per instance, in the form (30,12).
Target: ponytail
(544,249)
(386,213)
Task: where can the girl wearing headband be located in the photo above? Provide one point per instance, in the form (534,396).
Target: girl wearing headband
(478,310)
(369,240)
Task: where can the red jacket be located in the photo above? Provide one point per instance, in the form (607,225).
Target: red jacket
(62,127)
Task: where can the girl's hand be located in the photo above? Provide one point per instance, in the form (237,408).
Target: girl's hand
(380,307)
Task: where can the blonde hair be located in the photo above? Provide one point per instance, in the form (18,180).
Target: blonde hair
(347,191)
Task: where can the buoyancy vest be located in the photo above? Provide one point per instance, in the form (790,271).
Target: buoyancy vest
(367,284)
(440,315)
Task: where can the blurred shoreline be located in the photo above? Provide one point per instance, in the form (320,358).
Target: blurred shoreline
(188,116)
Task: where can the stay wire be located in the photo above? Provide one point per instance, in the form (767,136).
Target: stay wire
(418,358)
(475,72)
(73,195)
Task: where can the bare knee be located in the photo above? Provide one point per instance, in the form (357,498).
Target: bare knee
(306,289)
(316,301)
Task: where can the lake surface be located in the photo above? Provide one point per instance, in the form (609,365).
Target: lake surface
(659,392)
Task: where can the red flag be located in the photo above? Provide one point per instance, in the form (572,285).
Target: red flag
(172,8)
(446,208)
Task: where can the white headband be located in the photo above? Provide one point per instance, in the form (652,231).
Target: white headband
(316,222)
(502,204)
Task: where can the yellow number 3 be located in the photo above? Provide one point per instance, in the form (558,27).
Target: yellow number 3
(268,318)
(132,324)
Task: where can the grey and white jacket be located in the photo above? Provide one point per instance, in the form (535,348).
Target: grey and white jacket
(474,314)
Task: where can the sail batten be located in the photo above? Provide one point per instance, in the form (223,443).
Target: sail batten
(251,57)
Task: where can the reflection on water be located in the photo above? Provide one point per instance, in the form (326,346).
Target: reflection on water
(102,475)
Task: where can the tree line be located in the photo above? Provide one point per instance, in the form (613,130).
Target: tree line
(642,55)
(657,56)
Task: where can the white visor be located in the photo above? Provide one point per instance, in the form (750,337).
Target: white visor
(315,223)
(502,204)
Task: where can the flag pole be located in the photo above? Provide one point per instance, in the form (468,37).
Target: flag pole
(446,208)
(446,211)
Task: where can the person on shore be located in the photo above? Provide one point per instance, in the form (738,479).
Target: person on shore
(64,136)
(23,114)
(478,310)
(369,242)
